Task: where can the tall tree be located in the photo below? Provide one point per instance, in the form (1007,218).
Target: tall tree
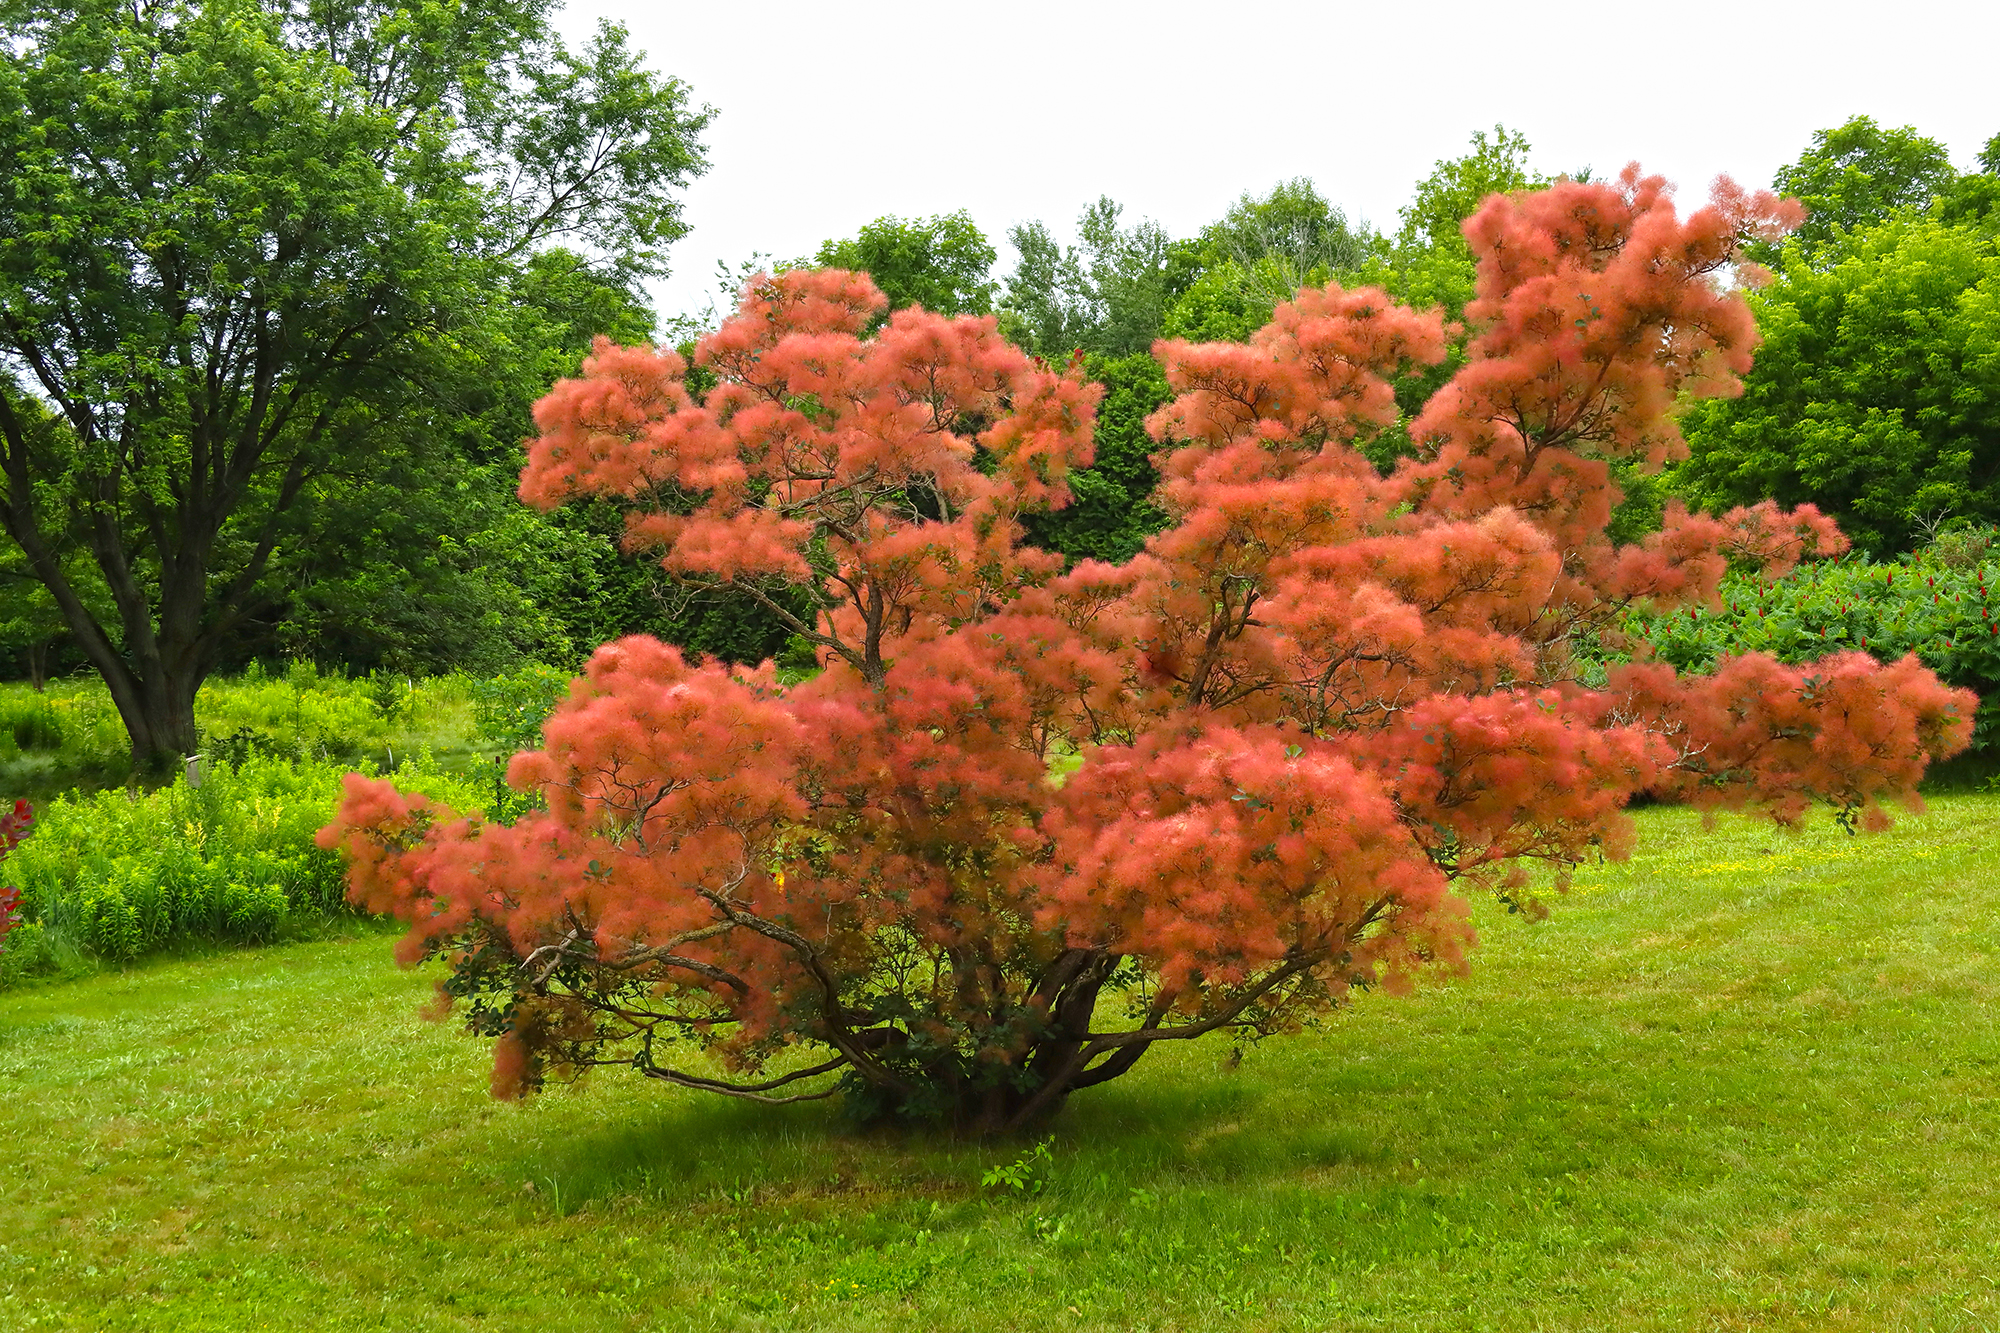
(942,263)
(1107,298)
(1858,174)
(1256,257)
(1429,261)
(1111,511)
(31,624)
(247,250)
(1876,395)
(1106,294)
(434,573)
(1975,197)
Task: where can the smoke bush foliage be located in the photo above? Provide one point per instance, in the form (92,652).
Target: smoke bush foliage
(231,860)
(1311,712)
(1937,605)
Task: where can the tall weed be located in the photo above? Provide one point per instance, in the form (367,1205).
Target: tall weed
(299,715)
(229,860)
(31,722)
(71,720)
(72,737)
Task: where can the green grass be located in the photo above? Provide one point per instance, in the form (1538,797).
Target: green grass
(1750,1080)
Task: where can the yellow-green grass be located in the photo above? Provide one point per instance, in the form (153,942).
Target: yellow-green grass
(299,713)
(1751,1080)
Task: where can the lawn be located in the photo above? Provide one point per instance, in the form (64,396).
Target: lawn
(1750,1080)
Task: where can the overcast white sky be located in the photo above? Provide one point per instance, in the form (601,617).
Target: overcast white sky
(834,113)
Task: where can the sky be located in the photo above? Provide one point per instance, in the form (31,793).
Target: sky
(833,114)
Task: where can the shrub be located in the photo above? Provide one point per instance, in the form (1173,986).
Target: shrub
(1315,707)
(229,860)
(1938,604)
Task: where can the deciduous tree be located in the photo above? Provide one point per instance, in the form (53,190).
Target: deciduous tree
(1105,295)
(1259,253)
(941,263)
(1877,393)
(1859,174)
(246,251)
(1312,714)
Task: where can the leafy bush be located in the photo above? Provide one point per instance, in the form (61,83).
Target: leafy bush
(32,722)
(508,710)
(229,860)
(1938,604)
(13,827)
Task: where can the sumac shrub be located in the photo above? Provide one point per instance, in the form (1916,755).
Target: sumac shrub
(1941,604)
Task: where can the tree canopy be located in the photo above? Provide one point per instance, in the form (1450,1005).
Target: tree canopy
(1251,260)
(940,263)
(1876,394)
(254,260)
(1859,174)
(1106,294)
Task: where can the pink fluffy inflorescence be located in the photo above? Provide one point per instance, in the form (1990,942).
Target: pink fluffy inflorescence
(1028,821)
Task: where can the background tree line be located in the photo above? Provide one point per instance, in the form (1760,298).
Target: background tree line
(274,314)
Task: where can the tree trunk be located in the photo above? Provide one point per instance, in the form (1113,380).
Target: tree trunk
(38,665)
(995,1109)
(1031,1087)
(155,700)
(154,679)
(160,719)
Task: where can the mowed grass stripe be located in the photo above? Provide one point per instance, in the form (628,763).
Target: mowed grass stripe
(1748,1080)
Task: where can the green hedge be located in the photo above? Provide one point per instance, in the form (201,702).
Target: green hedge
(1939,604)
